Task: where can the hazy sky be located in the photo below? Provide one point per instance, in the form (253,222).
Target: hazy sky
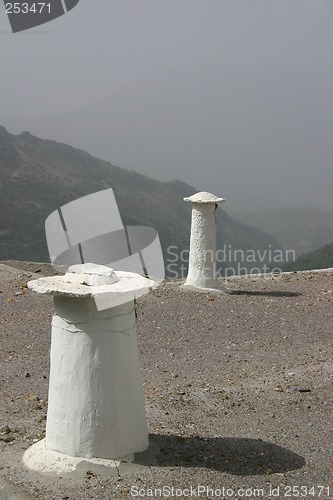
(231,96)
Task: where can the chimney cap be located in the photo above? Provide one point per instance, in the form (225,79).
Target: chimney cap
(204,197)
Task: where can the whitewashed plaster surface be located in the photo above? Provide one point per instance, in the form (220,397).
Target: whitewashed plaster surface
(96,401)
(202,260)
(124,288)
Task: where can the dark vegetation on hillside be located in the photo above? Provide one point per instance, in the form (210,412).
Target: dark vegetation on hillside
(318,259)
(300,229)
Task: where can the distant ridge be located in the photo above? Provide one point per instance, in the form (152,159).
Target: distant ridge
(299,229)
(38,176)
(318,259)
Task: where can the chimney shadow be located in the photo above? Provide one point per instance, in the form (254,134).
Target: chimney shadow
(266,294)
(236,456)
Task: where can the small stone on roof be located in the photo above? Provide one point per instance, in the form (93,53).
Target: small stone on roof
(91,274)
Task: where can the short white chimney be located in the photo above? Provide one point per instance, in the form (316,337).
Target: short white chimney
(202,271)
(96,404)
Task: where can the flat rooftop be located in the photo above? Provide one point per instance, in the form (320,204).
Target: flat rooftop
(238,389)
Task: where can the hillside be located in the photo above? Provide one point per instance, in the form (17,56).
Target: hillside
(302,230)
(38,176)
(318,259)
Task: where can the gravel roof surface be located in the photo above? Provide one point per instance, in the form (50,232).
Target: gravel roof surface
(238,389)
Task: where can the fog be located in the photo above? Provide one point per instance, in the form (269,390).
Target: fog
(232,96)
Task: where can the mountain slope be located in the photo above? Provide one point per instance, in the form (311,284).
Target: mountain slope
(39,176)
(302,230)
(318,259)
